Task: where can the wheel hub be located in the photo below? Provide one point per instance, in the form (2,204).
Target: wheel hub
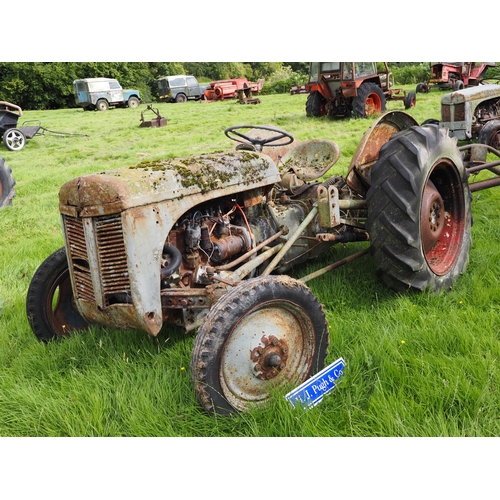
(433,217)
(271,358)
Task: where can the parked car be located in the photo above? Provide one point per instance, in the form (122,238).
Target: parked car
(180,88)
(101,93)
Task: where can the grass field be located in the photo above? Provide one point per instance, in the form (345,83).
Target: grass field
(416,365)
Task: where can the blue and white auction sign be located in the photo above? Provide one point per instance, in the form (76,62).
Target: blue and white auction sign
(311,392)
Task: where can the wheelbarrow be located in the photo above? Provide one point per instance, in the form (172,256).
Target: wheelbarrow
(15,137)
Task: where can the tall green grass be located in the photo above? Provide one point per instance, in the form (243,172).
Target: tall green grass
(416,365)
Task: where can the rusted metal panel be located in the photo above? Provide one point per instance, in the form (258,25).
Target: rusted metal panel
(367,152)
(209,175)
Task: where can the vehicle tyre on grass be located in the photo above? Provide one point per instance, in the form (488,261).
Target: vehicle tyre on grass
(102,105)
(490,134)
(14,139)
(50,305)
(133,102)
(266,333)
(315,104)
(369,101)
(419,216)
(7,183)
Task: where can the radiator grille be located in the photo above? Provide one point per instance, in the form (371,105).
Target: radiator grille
(445,113)
(458,112)
(111,259)
(79,259)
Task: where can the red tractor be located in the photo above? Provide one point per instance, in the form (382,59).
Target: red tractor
(455,75)
(342,89)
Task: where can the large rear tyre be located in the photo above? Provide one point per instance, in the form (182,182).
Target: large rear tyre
(422,88)
(369,101)
(419,216)
(315,104)
(267,332)
(490,134)
(7,184)
(50,305)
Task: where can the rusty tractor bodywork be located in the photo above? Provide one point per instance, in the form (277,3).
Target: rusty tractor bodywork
(206,242)
(455,75)
(343,89)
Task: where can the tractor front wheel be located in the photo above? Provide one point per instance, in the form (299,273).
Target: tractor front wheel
(315,104)
(419,215)
(50,304)
(7,184)
(266,333)
(369,101)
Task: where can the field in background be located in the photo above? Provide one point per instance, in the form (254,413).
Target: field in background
(416,365)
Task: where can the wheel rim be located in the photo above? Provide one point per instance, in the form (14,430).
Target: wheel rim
(60,306)
(271,346)
(442,217)
(14,139)
(494,141)
(373,104)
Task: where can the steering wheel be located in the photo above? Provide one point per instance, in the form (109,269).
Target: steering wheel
(258,142)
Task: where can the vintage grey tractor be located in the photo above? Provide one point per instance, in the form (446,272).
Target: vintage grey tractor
(205,242)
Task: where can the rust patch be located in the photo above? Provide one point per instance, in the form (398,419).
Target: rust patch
(271,358)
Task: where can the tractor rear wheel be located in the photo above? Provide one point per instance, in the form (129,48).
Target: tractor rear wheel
(7,184)
(267,332)
(490,134)
(419,216)
(315,104)
(369,101)
(422,88)
(50,304)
